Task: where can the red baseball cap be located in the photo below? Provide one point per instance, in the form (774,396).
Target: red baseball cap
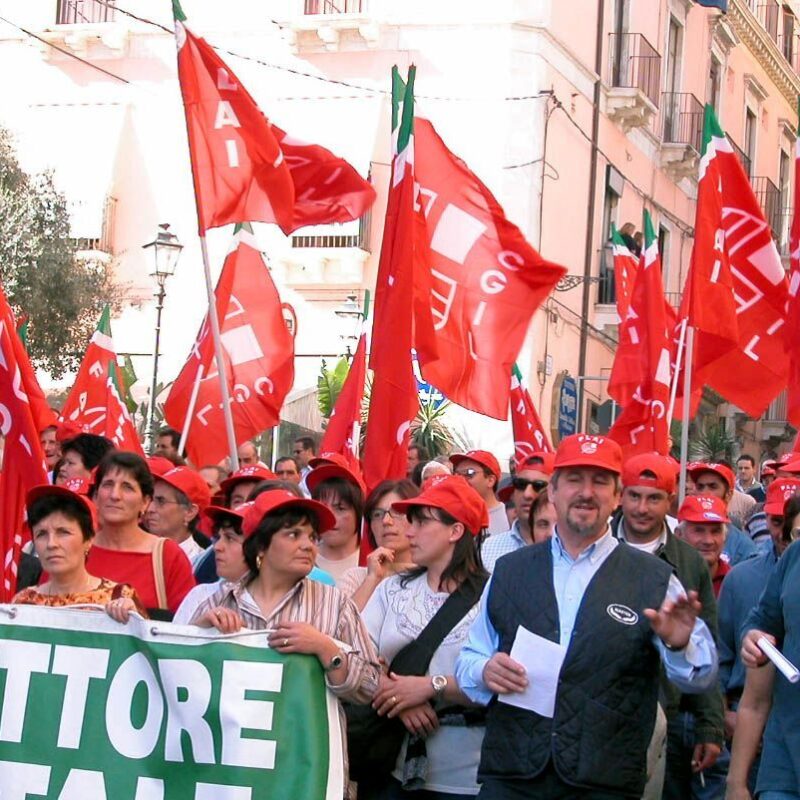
(329,457)
(327,471)
(78,485)
(190,483)
(278,500)
(252,472)
(703,508)
(662,468)
(452,494)
(67,430)
(49,490)
(697,468)
(793,467)
(544,462)
(588,450)
(786,458)
(778,492)
(482,457)
(159,465)
(215,514)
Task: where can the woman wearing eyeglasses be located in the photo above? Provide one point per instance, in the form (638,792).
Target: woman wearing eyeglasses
(386,530)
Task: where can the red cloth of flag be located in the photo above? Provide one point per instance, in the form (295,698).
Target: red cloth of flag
(259,359)
(529,433)
(23,459)
(793,306)
(626,266)
(341,435)
(119,426)
(247,170)
(485,281)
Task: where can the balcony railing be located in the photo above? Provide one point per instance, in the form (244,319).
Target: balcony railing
(743,157)
(606,288)
(634,64)
(82,12)
(335,6)
(681,119)
(769,198)
(769,15)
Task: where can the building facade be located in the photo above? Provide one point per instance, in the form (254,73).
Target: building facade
(576,115)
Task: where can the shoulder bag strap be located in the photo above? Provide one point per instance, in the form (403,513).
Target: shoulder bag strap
(158,573)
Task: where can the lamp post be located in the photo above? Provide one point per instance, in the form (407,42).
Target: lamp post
(166,250)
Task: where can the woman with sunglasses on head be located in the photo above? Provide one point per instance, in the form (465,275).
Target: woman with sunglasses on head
(386,531)
(440,753)
(281,533)
(530,480)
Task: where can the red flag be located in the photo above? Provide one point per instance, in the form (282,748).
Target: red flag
(88,401)
(23,459)
(394,401)
(642,426)
(736,289)
(341,435)
(246,169)
(625,267)
(529,433)
(119,426)
(793,306)
(259,358)
(486,281)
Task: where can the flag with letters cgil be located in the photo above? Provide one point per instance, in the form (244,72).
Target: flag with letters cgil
(529,433)
(736,289)
(245,168)
(258,353)
(484,282)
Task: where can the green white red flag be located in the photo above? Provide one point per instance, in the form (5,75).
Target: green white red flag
(736,290)
(625,267)
(258,352)
(529,433)
(246,169)
(793,306)
(119,426)
(643,427)
(394,401)
(341,435)
(485,281)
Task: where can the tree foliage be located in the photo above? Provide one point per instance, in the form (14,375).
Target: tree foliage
(61,296)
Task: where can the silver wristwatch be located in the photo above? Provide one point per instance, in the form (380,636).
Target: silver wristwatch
(335,662)
(439,683)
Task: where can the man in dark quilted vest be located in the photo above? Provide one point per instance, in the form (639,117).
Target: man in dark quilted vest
(612,613)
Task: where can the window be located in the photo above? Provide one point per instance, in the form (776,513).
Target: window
(750,138)
(606,293)
(663,249)
(787,44)
(784,185)
(80,12)
(712,92)
(672,72)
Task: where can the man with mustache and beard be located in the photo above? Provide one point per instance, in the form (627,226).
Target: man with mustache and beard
(616,612)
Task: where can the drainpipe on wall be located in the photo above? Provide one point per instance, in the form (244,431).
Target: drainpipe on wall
(587,263)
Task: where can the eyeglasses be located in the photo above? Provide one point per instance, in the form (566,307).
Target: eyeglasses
(521,484)
(160,502)
(470,472)
(378,514)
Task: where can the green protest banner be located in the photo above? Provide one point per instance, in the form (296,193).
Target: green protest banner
(95,710)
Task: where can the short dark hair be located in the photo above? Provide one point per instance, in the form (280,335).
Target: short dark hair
(539,502)
(70,507)
(89,447)
(288,458)
(307,442)
(422,453)
(405,488)
(274,483)
(344,491)
(791,508)
(175,436)
(259,541)
(747,457)
(133,464)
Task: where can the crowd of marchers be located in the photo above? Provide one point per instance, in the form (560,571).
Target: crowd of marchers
(569,630)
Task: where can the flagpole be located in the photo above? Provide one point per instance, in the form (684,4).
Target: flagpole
(187,423)
(275,443)
(687,404)
(219,357)
(673,393)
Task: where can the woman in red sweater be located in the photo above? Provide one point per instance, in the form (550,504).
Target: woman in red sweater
(123,551)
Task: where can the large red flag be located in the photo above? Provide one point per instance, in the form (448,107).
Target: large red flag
(119,426)
(341,435)
(642,427)
(736,289)
(625,267)
(246,169)
(259,359)
(23,459)
(394,401)
(529,433)
(793,307)
(485,281)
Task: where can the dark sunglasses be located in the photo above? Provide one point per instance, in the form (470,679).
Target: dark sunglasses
(470,472)
(521,484)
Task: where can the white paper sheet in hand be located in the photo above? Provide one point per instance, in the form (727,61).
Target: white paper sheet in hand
(542,659)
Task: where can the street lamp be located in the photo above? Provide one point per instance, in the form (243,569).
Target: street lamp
(166,250)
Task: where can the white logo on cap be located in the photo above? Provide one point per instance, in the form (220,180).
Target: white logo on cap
(589,448)
(706,502)
(711,515)
(623,614)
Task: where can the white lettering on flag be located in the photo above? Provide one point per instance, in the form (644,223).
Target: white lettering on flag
(225,116)
(224,80)
(456,233)
(186,709)
(83,783)
(241,345)
(20,660)
(213,791)
(18,781)
(663,370)
(767,261)
(232,152)
(442,315)
(742,298)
